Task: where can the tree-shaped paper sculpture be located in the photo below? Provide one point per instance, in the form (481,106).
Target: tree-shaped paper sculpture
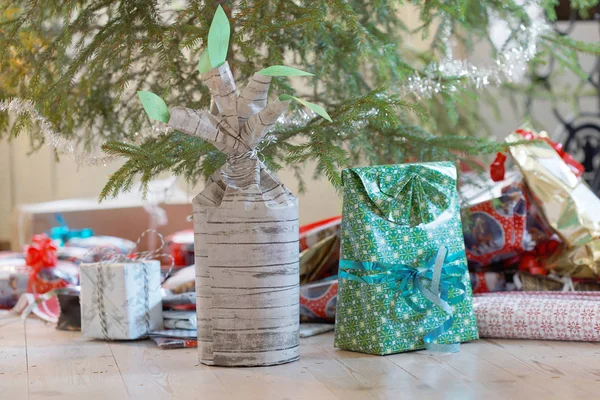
(245,220)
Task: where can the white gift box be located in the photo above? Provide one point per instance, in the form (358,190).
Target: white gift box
(120,300)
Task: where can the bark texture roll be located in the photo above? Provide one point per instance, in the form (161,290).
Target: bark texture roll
(246,233)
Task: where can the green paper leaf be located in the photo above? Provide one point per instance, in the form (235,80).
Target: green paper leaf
(204,63)
(155,107)
(315,107)
(218,38)
(282,70)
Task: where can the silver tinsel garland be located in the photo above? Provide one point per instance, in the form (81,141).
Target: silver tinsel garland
(68,147)
(510,64)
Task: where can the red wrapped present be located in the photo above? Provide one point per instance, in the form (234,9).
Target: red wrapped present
(181,248)
(318,301)
(500,221)
(539,315)
(41,258)
(488,281)
(319,259)
(13,278)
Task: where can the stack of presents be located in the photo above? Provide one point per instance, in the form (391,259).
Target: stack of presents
(521,245)
(422,257)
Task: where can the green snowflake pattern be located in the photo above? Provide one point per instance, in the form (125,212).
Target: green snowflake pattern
(398,214)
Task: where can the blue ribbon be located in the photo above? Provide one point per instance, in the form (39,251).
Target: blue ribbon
(443,271)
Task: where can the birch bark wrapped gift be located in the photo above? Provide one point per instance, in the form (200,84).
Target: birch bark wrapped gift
(245,220)
(246,233)
(120,300)
(403,280)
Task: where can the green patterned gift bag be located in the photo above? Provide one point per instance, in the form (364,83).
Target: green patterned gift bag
(403,279)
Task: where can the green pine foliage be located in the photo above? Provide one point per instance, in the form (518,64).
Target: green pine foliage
(93,56)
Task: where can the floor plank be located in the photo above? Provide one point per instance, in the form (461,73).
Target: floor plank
(64,365)
(38,362)
(13,359)
(289,381)
(152,373)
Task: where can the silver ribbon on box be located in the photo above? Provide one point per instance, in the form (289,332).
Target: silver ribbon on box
(103,276)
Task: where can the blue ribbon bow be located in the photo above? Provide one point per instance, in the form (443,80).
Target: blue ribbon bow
(442,271)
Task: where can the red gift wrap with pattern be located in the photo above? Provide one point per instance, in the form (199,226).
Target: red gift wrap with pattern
(318,301)
(573,316)
(502,222)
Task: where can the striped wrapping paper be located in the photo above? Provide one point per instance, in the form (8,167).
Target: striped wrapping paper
(539,315)
(246,232)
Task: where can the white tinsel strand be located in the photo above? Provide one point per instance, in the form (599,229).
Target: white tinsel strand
(510,65)
(67,146)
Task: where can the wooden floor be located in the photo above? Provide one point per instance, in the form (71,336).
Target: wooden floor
(38,362)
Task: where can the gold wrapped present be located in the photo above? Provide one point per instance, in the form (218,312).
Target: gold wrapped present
(567,202)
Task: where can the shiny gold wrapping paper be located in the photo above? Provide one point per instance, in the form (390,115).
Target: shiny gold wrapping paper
(579,262)
(568,204)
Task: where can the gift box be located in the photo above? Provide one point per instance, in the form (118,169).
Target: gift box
(403,279)
(582,262)
(96,245)
(182,281)
(500,220)
(13,282)
(318,301)
(539,315)
(180,319)
(120,300)
(492,281)
(246,232)
(321,259)
(181,247)
(313,233)
(70,309)
(568,205)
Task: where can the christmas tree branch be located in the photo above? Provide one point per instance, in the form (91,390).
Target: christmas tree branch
(82,62)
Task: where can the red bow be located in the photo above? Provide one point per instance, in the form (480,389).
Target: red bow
(41,253)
